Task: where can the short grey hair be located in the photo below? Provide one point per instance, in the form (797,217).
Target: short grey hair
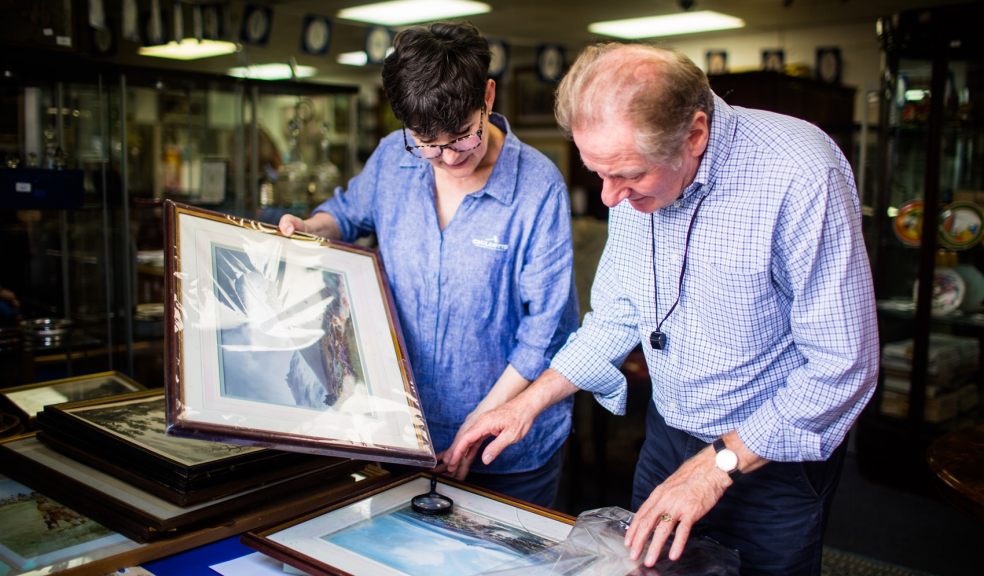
(656,89)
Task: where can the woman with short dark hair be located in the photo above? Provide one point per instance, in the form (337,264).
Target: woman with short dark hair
(474,232)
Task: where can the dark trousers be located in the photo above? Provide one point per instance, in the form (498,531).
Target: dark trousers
(775,517)
(538,486)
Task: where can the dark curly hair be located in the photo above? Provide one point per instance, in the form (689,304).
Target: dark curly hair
(436,75)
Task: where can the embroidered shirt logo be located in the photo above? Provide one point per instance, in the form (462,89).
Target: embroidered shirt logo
(491,243)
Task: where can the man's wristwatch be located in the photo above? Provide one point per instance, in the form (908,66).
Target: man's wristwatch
(725,459)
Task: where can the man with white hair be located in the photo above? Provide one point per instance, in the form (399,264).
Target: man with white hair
(735,256)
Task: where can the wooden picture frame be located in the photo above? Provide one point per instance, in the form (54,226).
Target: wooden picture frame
(27,400)
(368,534)
(774,59)
(533,98)
(136,513)
(101,558)
(42,536)
(716,62)
(124,436)
(290,343)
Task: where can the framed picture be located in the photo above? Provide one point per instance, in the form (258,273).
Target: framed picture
(139,514)
(828,67)
(213,189)
(125,437)
(26,401)
(42,536)
(774,60)
(533,98)
(379,533)
(717,61)
(289,343)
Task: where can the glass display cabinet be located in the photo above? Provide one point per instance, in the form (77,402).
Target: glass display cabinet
(88,154)
(924,236)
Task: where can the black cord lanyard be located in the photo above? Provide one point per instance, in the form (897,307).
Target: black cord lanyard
(657,339)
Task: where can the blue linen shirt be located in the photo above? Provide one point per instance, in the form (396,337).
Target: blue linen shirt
(495,287)
(775,333)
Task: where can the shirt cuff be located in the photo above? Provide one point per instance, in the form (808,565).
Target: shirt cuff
(528,361)
(578,363)
(768,434)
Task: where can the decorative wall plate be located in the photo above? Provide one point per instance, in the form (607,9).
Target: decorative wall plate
(961,225)
(949,290)
(908,223)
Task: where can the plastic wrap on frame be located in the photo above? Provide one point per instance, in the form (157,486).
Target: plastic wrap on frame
(596,547)
(290,343)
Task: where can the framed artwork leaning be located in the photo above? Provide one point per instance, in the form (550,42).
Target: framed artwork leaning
(291,343)
(380,533)
(27,400)
(124,436)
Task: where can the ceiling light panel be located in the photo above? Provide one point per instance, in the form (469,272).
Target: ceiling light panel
(668,25)
(401,12)
(188,49)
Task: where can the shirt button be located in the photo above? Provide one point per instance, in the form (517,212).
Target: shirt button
(677,204)
(671,407)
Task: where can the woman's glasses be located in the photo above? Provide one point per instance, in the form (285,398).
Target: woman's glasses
(463,144)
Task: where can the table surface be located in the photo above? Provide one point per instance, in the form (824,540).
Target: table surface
(957,459)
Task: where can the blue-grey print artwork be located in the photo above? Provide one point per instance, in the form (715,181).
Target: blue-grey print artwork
(460,543)
(286,332)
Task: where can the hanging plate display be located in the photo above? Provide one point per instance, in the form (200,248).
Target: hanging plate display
(908,223)
(949,290)
(961,225)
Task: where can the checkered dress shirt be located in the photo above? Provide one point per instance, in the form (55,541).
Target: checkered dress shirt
(775,333)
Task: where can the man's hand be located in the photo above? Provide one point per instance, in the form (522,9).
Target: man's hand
(461,471)
(679,502)
(509,423)
(683,499)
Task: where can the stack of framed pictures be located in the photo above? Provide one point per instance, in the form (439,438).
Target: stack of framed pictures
(41,535)
(124,435)
(380,533)
(27,400)
(109,458)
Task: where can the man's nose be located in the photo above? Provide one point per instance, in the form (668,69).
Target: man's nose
(612,193)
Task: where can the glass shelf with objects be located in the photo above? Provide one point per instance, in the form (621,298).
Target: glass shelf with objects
(925,233)
(102,147)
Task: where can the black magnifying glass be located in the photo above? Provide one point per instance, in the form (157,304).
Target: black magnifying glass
(432,503)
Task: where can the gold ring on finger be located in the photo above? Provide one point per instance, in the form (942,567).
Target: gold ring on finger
(664,517)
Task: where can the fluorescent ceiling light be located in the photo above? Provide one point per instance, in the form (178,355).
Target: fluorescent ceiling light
(271,71)
(359,58)
(669,25)
(400,12)
(189,49)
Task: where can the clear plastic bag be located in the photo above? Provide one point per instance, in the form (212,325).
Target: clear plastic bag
(595,547)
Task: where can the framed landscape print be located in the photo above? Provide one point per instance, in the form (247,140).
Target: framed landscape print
(125,436)
(26,401)
(281,342)
(137,513)
(41,536)
(379,533)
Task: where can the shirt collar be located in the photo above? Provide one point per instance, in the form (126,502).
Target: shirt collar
(502,182)
(724,122)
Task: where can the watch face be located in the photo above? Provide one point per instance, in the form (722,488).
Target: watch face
(726,460)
